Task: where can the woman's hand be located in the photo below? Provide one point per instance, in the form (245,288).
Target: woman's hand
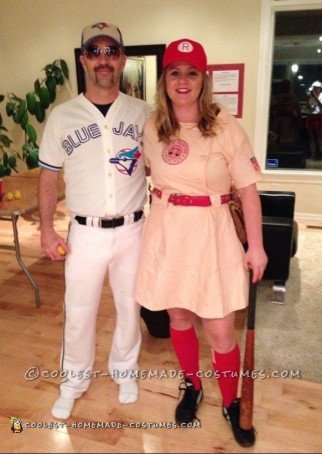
(255,257)
(256,260)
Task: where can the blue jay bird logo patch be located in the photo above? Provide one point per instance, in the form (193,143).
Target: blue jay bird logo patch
(100,25)
(126,160)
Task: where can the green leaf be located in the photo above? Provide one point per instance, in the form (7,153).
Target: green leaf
(7,171)
(58,74)
(57,70)
(16,118)
(24,120)
(60,80)
(12,162)
(28,146)
(36,86)
(39,112)
(64,68)
(49,68)
(1,98)
(44,97)
(5,141)
(10,108)
(31,133)
(2,171)
(21,110)
(32,159)
(5,159)
(51,85)
(31,102)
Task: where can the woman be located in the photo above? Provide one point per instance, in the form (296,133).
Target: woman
(192,263)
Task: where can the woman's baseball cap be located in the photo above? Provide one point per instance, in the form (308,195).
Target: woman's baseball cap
(185,50)
(101,29)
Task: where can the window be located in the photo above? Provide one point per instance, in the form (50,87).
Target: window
(290,62)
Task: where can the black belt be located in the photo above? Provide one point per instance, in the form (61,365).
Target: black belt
(110,223)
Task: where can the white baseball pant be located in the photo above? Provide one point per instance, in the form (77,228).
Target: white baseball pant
(93,252)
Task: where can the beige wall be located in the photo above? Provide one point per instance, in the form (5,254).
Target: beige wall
(35,32)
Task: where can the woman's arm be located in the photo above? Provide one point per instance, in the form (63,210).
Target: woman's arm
(255,257)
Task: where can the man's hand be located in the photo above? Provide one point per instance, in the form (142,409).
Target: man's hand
(54,245)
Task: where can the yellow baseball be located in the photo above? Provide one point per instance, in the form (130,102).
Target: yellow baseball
(60,250)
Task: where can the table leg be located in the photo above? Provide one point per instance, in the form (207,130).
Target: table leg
(14,218)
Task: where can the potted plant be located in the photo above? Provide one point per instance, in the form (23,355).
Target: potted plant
(21,110)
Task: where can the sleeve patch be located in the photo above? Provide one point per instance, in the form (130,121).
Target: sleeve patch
(255,164)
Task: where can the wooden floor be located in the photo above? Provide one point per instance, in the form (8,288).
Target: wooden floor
(287,415)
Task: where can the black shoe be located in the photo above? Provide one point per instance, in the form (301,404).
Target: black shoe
(188,406)
(243,437)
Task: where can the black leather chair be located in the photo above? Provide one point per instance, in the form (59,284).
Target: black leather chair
(280,235)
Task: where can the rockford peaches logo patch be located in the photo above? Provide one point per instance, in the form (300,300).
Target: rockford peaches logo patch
(175,152)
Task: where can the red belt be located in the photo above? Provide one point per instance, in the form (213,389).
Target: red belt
(191,200)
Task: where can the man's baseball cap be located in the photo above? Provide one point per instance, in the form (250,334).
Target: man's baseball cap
(101,29)
(185,50)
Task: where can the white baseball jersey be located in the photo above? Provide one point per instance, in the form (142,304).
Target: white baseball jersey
(101,156)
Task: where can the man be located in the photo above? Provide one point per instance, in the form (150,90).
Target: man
(314,119)
(97,139)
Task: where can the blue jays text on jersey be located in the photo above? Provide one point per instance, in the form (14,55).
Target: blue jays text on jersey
(87,133)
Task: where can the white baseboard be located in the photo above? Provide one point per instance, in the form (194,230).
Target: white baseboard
(309,219)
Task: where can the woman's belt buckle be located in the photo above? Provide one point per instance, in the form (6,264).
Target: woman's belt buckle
(177,199)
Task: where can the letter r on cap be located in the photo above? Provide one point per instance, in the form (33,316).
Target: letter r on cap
(185,47)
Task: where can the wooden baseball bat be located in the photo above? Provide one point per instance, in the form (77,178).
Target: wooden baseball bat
(247,389)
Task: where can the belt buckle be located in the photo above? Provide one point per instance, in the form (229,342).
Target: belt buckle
(174,195)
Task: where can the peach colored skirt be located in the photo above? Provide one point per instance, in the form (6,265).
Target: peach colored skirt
(191,258)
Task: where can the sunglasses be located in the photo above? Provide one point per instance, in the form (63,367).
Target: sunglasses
(93,52)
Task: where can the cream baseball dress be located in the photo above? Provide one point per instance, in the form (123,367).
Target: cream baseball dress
(191,257)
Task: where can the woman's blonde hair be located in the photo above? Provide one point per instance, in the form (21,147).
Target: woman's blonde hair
(166,123)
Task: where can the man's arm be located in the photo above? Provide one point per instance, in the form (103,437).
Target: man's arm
(47,196)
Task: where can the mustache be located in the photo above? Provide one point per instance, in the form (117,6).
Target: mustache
(98,68)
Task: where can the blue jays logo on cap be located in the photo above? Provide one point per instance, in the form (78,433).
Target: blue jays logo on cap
(101,29)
